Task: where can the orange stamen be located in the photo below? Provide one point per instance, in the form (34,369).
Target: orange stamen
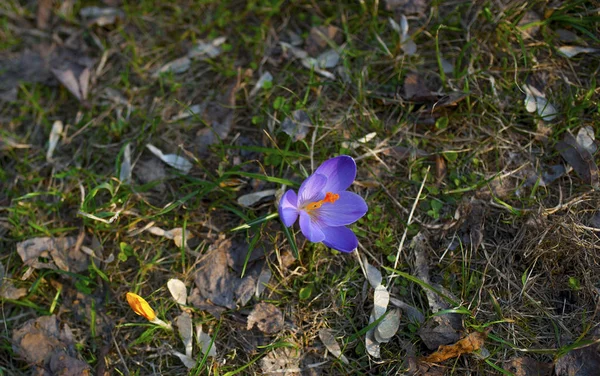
(329,197)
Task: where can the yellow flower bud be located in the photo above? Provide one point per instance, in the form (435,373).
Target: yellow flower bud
(140,306)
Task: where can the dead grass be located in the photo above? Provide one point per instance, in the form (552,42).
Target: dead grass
(519,257)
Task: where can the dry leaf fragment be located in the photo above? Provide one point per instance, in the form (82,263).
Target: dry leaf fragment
(373,274)
(320,37)
(413,314)
(125,172)
(570,51)
(44,14)
(579,362)
(307,61)
(207,49)
(536,100)
(250,199)
(326,336)
(524,366)
(407,6)
(55,133)
(184,324)
(264,78)
(381,299)
(187,361)
(75,77)
(61,363)
(37,339)
(328,59)
(467,345)
(586,139)
(190,111)
(63,252)
(298,126)
(262,281)
(204,340)
(388,327)
(9,291)
(173,160)
(371,344)
(579,158)
(178,290)
(176,66)
(267,317)
(282,361)
(101,16)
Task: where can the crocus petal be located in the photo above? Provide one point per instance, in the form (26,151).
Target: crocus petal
(310,229)
(340,172)
(288,208)
(340,238)
(348,208)
(312,189)
(140,306)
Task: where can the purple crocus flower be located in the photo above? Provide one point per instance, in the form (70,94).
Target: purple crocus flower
(324,206)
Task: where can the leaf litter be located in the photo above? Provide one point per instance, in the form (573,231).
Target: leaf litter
(524,366)
(578,152)
(206,343)
(42,344)
(178,290)
(535,100)
(176,161)
(326,336)
(297,126)
(267,318)
(467,345)
(63,253)
(55,133)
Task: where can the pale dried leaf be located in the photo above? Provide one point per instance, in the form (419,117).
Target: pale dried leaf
(579,158)
(373,274)
(447,66)
(282,361)
(297,126)
(184,324)
(178,290)
(328,59)
(262,281)
(403,28)
(173,160)
(409,47)
(388,326)
(101,16)
(9,291)
(307,61)
(250,199)
(61,250)
(381,299)
(55,133)
(204,340)
(125,173)
(413,314)
(178,236)
(156,231)
(545,109)
(190,111)
(187,361)
(395,25)
(175,66)
(37,339)
(75,78)
(570,51)
(264,78)
(586,139)
(371,343)
(203,49)
(267,317)
(326,336)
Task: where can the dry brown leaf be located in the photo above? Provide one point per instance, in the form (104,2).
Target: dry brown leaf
(75,77)
(64,254)
(63,364)
(580,158)
(467,345)
(319,37)
(328,339)
(266,317)
(282,361)
(37,339)
(9,291)
(416,90)
(523,366)
(579,362)
(297,126)
(44,14)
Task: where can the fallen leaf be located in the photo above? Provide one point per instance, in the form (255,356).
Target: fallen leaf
(297,126)
(381,299)
(320,37)
(415,89)
(406,43)
(173,160)
(64,254)
(282,361)
(570,51)
(536,100)
(267,317)
(178,290)
(9,291)
(177,235)
(263,280)
(207,49)
(125,171)
(176,66)
(250,199)
(579,158)
(529,24)
(194,110)
(586,139)
(101,16)
(264,78)
(149,171)
(61,363)
(44,14)
(207,346)
(523,366)
(75,77)
(328,59)
(55,133)
(413,314)
(326,336)
(371,343)
(187,361)
(579,362)
(184,325)
(373,274)
(467,345)
(37,339)
(388,327)
(308,62)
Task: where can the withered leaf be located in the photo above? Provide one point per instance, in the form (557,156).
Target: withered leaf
(388,327)
(213,278)
(579,158)
(62,250)
(319,38)
(206,343)
(75,77)
(37,339)
(63,364)
(326,336)
(178,290)
(415,88)
(579,362)
(524,366)
(9,291)
(441,330)
(298,126)
(282,361)
(267,317)
(184,324)
(467,345)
